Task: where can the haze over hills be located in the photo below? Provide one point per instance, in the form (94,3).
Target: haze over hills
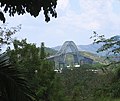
(90,51)
(96,58)
(92,48)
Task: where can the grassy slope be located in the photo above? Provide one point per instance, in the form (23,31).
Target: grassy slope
(95,57)
(50,51)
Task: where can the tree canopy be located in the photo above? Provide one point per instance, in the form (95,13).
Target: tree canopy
(39,72)
(33,7)
(112,45)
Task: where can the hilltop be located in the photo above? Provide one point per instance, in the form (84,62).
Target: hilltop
(95,57)
(92,48)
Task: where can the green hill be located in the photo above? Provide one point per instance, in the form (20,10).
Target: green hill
(50,51)
(96,58)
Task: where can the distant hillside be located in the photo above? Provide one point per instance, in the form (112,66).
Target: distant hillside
(96,58)
(93,56)
(56,48)
(92,48)
(50,51)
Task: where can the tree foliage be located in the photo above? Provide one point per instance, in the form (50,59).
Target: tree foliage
(25,57)
(13,86)
(39,72)
(6,34)
(111,44)
(42,51)
(33,7)
(82,84)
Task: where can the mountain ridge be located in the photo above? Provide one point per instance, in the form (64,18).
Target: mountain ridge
(92,48)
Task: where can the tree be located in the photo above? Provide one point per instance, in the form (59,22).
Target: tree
(31,60)
(42,52)
(25,57)
(13,86)
(79,83)
(33,7)
(6,34)
(111,45)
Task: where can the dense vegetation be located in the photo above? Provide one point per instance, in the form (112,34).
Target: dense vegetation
(26,75)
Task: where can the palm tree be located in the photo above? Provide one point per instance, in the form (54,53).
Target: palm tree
(13,86)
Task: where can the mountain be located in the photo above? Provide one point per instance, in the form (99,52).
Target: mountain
(57,48)
(96,58)
(50,51)
(92,48)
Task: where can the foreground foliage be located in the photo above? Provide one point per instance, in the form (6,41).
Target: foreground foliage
(31,61)
(74,84)
(13,86)
(33,7)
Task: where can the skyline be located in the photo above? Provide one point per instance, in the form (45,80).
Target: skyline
(76,22)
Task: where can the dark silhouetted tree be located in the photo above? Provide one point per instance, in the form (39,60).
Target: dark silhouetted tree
(33,7)
(13,86)
(42,51)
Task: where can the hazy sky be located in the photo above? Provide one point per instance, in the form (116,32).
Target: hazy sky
(76,21)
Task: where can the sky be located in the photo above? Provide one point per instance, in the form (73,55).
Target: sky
(76,20)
